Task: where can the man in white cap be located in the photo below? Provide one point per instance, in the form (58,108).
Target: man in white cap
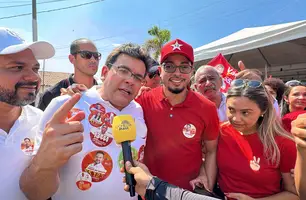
(19,85)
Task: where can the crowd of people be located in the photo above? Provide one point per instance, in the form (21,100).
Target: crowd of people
(193,141)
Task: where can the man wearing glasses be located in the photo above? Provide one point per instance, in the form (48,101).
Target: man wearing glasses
(85,59)
(170,153)
(65,153)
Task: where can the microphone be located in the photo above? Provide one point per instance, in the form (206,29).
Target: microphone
(124,132)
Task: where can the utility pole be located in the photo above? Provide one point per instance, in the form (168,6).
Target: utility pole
(34,20)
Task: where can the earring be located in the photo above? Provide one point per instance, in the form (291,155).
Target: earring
(262,115)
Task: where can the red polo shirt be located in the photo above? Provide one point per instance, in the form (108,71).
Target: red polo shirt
(173,146)
(236,172)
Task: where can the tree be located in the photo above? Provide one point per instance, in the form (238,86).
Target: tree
(160,37)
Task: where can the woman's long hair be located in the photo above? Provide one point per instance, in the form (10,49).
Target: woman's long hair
(284,105)
(269,125)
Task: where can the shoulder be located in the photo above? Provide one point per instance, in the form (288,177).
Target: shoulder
(32,111)
(200,100)
(55,88)
(284,142)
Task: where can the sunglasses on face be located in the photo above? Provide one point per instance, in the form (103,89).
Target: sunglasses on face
(153,74)
(171,68)
(88,54)
(245,83)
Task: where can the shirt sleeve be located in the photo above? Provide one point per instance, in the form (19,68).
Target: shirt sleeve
(211,121)
(141,126)
(160,190)
(287,155)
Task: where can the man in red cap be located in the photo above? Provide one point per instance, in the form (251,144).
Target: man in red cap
(179,122)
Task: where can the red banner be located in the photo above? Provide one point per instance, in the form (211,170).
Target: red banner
(227,72)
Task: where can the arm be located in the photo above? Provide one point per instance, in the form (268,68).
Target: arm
(210,163)
(160,190)
(61,139)
(289,193)
(299,133)
(300,173)
(155,189)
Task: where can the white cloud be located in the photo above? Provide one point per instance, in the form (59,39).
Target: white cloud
(116,45)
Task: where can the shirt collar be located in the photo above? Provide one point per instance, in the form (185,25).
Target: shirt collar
(159,93)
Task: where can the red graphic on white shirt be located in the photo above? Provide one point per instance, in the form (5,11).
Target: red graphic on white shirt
(27,146)
(96,118)
(84,181)
(100,136)
(97,108)
(108,119)
(98,164)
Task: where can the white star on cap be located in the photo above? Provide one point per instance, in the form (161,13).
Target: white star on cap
(176,46)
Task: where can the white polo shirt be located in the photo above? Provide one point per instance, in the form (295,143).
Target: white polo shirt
(14,156)
(77,180)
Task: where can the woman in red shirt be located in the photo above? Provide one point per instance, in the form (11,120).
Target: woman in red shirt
(293,104)
(255,154)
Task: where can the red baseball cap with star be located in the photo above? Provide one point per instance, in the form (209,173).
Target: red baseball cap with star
(177,46)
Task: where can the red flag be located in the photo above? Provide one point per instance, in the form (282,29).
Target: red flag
(227,72)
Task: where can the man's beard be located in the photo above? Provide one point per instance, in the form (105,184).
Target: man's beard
(11,97)
(176,90)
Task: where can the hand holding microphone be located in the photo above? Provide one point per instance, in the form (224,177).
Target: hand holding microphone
(124,132)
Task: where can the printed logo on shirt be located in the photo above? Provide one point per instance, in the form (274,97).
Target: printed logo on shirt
(189,130)
(108,118)
(101,136)
(141,154)
(97,108)
(84,181)
(98,164)
(73,112)
(27,146)
(96,118)
(134,155)
(254,164)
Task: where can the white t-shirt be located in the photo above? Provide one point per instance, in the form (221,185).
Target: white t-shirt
(14,156)
(77,180)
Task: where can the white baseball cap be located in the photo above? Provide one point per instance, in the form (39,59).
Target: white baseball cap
(11,42)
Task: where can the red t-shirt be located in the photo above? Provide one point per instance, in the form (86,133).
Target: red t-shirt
(175,133)
(289,117)
(235,151)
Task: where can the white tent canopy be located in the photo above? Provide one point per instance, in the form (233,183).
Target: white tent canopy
(282,48)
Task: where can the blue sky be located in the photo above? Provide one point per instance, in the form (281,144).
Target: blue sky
(113,22)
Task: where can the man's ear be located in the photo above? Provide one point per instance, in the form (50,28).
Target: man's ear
(104,72)
(71,59)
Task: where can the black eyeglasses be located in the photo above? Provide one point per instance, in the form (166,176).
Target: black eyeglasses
(245,83)
(153,74)
(171,68)
(126,73)
(88,54)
